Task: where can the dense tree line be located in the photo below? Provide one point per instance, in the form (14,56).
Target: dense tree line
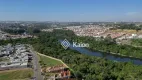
(84,66)
(137,42)
(109,46)
(14,31)
(21,31)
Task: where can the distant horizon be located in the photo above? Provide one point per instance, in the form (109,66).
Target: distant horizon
(66,21)
(71,10)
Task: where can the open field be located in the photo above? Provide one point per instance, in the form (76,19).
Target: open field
(127,31)
(19,74)
(48,61)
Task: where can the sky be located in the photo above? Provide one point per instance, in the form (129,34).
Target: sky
(71,10)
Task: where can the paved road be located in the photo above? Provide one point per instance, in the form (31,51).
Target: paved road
(36,66)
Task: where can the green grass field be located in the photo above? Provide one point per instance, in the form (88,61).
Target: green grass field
(48,61)
(21,74)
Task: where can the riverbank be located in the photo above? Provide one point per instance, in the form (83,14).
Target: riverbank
(116,54)
(108,56)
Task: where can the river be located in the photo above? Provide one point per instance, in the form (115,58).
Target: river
(113,57)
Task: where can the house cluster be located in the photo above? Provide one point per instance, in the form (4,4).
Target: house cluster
(50,30)
(47,30)
(88,30)
(130,36)
(13,57)
(60,72)
(21,36)
(113,34)
(101,31)
(5,36)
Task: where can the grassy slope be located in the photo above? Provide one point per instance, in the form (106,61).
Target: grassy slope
(48,61)
(22,74)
